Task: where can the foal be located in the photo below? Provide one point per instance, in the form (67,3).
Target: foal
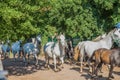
(111,57)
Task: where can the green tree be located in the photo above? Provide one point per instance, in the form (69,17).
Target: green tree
(19,19)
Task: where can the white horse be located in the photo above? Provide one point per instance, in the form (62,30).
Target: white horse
(88,47)
(57,51)
(79,45)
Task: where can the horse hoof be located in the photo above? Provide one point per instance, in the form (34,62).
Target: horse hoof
(62,67)
(59,69)
(112,77)
(100,75)
(56,70)
(101,72)
(25,64)
(36,64)
(108,79)
(80,72)
(44,68)
(48,68)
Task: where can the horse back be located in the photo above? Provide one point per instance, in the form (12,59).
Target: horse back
(28,47)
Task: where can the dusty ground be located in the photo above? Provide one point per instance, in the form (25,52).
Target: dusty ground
(17,71)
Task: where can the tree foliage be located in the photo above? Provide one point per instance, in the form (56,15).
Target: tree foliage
(19,19)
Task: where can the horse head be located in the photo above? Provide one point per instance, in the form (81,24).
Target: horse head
(39,39)
(114,34)
(117,33)
(117,30)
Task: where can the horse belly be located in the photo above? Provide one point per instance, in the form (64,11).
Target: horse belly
(106,57)
(106,60)
(48,51)
(57,52)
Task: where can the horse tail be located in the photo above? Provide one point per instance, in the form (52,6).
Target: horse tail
(82,50)
(92,58)
(81,47)
(77,52)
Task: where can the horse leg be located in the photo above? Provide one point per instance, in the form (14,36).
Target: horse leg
(4,54)
(71,57)
(62,60)
(93,68)
(90,70)
(9,54)
(36,58)
(24,59)
(28,59)
(54,58)
(14,57)
(81,64)
(47,61)
(110,72)
(98,66)
(18,55)
(108,66)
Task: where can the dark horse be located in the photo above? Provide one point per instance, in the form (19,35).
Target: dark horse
(106,56)
(16,48)
(32,48)
(6,49)
(69,50)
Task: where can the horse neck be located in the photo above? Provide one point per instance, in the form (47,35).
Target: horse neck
(108,40)
(8,43)
(18,43)
(61,47)
(36,43)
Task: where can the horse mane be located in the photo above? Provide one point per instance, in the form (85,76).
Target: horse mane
(99,37)
(112,31)
(109,34)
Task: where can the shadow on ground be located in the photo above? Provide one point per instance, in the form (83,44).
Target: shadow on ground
(88,76)
(18,68)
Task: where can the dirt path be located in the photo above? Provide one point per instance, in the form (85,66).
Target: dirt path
(18,72)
